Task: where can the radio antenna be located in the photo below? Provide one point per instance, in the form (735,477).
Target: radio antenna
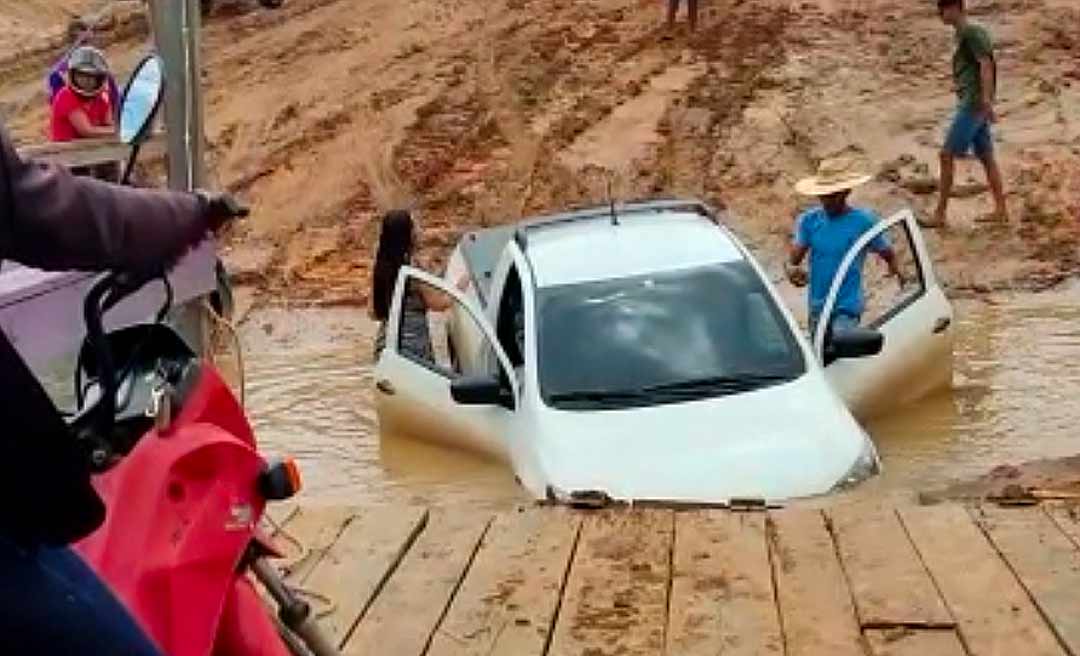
(611,199)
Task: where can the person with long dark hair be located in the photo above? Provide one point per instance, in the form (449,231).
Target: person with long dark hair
(397,242)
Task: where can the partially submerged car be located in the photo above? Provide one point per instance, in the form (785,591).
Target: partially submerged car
(640,353)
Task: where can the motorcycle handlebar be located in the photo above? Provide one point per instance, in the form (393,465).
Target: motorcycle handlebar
(112,288)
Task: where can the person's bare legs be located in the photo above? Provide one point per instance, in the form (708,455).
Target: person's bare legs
(997,187)
(948,167)
(672,9)
(692,8)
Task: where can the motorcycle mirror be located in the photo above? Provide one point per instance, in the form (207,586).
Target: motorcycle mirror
(141,100)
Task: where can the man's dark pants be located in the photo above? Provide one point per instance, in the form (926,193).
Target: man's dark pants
(51,602)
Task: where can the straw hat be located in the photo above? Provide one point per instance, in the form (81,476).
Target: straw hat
(833,175)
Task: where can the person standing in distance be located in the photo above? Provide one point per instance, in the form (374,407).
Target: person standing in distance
(975,79)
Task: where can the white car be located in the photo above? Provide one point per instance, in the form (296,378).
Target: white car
(640,353)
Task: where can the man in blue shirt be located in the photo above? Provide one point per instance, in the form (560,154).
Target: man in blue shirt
(827,233)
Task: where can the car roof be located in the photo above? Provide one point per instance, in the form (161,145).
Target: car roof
(646,240)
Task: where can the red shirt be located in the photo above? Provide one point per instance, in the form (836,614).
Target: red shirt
(98,109)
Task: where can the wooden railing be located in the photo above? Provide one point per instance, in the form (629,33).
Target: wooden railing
(87,152)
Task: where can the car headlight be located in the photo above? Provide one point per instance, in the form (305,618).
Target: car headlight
(866,465)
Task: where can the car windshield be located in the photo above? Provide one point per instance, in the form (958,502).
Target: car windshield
(662,338)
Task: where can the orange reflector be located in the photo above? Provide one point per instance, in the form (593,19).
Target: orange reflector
(293,471)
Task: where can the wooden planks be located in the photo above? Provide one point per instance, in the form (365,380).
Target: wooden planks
(508,601)
(816,611)
(361,560)
(311,531)
(277,515)
(1044,559)
(889,583)
(617,592)
(906,641)
(992,612)
(405,614)
(555,581)
(722,599)
(1067,518)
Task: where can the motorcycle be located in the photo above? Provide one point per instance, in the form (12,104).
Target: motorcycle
(177,465)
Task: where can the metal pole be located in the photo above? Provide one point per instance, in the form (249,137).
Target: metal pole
(176,25)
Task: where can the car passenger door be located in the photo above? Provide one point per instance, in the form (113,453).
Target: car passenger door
(916,322)
(413,381)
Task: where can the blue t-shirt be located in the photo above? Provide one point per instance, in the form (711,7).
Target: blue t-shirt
(829,239)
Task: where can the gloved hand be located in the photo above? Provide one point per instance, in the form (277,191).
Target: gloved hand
(220,208)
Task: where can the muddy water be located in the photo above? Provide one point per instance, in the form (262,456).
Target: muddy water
(309,381)
(1015,396)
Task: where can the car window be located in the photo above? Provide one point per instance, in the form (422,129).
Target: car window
(510,326)
(449,341)
(643,332)
(884,297)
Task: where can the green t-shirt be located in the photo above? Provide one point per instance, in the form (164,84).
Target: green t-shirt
(972,43)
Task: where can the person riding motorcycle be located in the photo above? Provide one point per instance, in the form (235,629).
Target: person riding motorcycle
(50,601)
(79,34)
(83,108)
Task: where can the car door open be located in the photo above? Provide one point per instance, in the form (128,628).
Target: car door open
(422,391)
(915,321)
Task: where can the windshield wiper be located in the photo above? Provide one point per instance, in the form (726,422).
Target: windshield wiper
(735,383)
(598,395)
(601,398)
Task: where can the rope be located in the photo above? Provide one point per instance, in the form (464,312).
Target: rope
(231,329)
(327,603)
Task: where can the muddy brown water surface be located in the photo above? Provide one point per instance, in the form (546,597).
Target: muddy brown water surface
(309,381)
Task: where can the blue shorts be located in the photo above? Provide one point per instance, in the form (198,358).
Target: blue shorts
(969,132)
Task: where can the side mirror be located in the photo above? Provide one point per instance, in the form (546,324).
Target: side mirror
(480,390)
(141,100)
(857,342)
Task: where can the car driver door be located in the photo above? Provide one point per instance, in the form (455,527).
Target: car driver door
(415,371)
(915,321)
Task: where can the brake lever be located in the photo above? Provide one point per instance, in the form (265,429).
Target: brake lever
(235,208)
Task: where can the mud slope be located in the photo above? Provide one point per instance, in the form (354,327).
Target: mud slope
(478,112)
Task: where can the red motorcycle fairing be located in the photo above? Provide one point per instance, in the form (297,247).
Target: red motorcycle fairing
(246,628)
(182,509)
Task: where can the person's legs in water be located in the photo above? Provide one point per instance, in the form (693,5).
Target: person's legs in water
(51,602)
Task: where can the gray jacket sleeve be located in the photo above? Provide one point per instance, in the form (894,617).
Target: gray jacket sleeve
(52,220)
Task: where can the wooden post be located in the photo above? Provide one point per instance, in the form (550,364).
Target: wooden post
(176,26)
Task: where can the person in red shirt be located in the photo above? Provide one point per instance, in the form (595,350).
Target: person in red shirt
(82,109)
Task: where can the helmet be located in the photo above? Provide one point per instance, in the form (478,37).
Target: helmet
(87,71)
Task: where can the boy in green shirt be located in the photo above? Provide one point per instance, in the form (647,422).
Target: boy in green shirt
(975,78)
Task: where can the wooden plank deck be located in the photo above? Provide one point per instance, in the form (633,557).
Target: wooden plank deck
(872,581)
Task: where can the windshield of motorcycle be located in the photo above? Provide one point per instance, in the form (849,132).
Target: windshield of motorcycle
(662,338)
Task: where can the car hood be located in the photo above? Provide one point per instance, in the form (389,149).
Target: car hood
(780,442)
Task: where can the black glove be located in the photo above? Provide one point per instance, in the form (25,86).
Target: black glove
(220,208)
